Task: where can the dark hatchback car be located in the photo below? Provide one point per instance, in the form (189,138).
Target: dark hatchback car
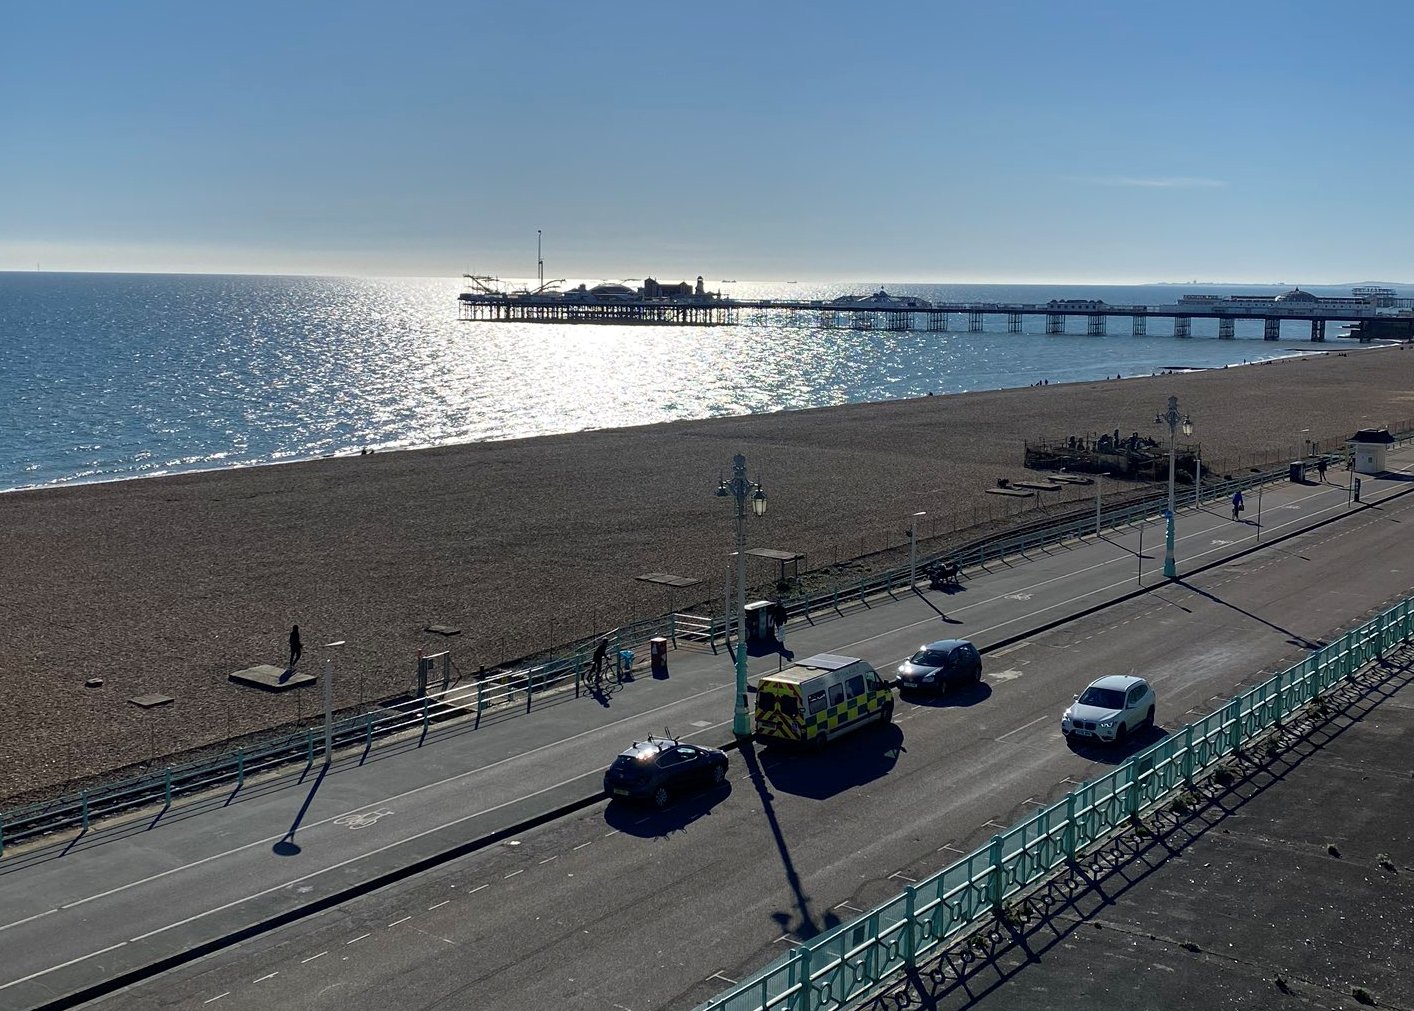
(660,768)
(941,665)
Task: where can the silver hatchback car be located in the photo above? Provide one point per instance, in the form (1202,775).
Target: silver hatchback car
(1111,709)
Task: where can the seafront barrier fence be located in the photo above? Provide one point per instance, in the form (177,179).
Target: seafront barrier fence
(849,961)
(499,693)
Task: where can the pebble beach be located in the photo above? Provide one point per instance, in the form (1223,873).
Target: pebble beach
(167,585)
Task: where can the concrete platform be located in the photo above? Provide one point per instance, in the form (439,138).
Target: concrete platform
(270,678)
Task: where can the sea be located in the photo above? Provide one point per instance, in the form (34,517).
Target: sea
(110,377)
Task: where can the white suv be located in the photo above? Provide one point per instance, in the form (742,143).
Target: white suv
(1110,709)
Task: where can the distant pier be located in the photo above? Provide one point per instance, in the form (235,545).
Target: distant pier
(682,305)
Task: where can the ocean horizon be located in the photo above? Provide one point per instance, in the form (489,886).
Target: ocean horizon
(120,376)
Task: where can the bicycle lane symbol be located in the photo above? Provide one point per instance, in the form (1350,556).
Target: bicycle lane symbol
(362,819)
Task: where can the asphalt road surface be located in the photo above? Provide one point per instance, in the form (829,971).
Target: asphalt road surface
(620,907)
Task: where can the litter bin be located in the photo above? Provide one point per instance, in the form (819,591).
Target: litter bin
(758,621)
(1298,471)
(625,659)
(658,653)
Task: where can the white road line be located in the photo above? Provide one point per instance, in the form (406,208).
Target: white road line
(262,979)
(387,800)
(360,937)
(403,920)
(514,873)
(548,859)
(438,905)
(213,1000)
(478,888)
(1024,726)
(72,961)
(584,844)
(311,958)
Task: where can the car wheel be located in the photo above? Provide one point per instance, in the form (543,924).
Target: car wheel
(1121,732)
(660,797)
(1149,719)
(977,674)
(719,773)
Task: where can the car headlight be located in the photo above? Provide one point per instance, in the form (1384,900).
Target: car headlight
(927,677)
(1066,717)
(1107,724)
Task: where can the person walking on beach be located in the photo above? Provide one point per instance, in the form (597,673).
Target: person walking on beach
(295,648)
(1237,504)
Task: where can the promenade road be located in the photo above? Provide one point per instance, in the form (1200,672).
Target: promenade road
(643,909)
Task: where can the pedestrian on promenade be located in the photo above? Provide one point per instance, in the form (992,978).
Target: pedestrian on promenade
(295,648)
(596,668)
(1237,504)
(1321,469)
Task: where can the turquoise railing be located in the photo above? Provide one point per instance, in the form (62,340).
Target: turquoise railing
(851,960)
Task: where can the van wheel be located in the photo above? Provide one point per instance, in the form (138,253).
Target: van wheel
(821,739)
(886,714)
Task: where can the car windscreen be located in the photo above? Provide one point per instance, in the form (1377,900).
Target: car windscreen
(929,658)
(1103,698)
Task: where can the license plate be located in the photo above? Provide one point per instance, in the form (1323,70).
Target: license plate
(621,793)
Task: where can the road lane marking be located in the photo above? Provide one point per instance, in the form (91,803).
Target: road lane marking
(387,800)
(1024,726)
(403,920)
(311,958)
(360,937)
(217,997)
(438,905)
(514,873)
(72,961)
(262,979)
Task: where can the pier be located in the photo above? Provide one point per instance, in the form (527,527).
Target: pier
(680,305)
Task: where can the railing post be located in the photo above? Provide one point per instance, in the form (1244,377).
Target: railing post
(1188,754)
(909,941)
(368,730)
(480,693)
(2,837)
(240,769)
(529,688)
(1070,836)
(167,786)
(309,746)
(806,993)
(994,882)
(426,716)
(83,799)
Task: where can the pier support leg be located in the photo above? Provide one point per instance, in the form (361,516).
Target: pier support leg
(1141,326)
(1055,323)
(1095,325)
(1227,329)
(1318,331)
(1183,326)
(1271,329)
(974,321)
(1013,322)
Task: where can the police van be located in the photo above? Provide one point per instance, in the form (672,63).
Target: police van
(820,698)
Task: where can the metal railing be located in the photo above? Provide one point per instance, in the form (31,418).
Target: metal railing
(849,961)
(495,693)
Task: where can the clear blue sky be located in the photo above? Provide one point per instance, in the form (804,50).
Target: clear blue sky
(943,141)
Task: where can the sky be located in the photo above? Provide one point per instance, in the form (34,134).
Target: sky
(1087,142)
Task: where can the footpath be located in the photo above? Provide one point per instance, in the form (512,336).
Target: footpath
(85,913)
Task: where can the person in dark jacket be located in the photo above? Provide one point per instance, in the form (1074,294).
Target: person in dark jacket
(295,648)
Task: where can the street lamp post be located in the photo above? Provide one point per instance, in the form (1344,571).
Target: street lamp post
(1174,420)
(329,702)
(913,547)
(742,489)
